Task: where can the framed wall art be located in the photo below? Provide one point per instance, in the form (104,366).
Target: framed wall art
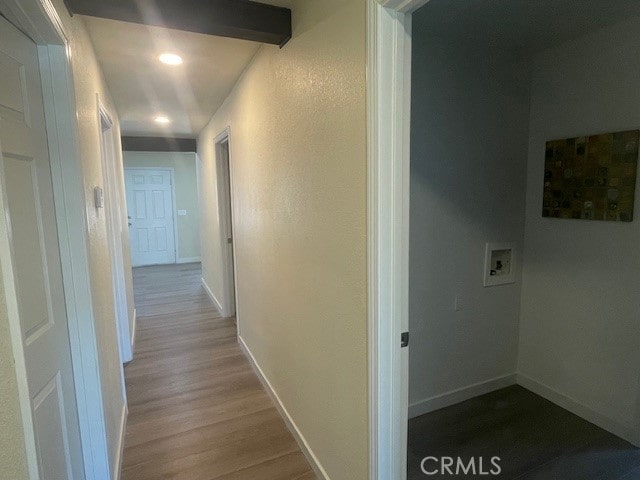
(591,177)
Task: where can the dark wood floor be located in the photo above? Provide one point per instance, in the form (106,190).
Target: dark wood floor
(535,439)
(196,409)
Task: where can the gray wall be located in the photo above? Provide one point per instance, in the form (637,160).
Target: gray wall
(580,325)
(469,141)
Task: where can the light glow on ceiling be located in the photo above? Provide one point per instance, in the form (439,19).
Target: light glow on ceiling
(170,59)
(162,119)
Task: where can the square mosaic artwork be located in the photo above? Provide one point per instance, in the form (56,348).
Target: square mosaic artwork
(591,178)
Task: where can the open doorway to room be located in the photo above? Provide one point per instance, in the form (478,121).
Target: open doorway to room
(110,198)
(523,301)
(225,213)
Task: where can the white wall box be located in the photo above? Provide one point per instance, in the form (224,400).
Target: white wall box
(499,264)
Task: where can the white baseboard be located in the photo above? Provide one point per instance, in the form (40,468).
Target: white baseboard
(295,431)
(211,295)
(189,260)
(117,468)
(134,326)
(460,395)
(577,408)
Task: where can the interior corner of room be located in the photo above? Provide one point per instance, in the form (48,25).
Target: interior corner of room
(491,84)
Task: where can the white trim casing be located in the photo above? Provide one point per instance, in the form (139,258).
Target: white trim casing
(38,18)
(225,204)
(389,88)
(311,457)
(114,213)
(70,202)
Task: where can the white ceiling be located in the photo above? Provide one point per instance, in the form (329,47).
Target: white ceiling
(520,25)
(143,88)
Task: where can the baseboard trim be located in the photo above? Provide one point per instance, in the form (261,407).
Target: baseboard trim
(189,260)
(211,295)
(579,409)
(295,431)
(123,429)
(460,395)
(134,326)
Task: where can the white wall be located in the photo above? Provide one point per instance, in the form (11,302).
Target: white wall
(580,317)
(468,173)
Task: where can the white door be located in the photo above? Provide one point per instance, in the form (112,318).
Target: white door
(150,210)
(30,257)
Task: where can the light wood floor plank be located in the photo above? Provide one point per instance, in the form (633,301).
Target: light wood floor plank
(196,408)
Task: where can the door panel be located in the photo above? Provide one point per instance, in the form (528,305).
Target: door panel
(48,418)
(150,207)
(33,263)
(30,276)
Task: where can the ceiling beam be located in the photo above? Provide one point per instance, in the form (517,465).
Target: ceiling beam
(243,19)
(158,144)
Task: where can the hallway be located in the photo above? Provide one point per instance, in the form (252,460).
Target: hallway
(196,408)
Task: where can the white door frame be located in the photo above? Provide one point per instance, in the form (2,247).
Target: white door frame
(114,213)
(225,205)
(388,165)
(174,205)
(39,20)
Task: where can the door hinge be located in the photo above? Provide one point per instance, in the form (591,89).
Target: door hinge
(404,340)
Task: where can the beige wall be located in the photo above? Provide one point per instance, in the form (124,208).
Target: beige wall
(298,160)
(186,188)
(88,83)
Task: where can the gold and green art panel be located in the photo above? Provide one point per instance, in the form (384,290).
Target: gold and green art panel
(591,178)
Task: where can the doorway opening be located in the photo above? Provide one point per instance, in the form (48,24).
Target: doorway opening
(151,207)
(110,200)
(163,207)
(225,212)
(516,120)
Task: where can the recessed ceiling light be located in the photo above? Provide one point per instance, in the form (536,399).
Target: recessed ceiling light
(162,119)
(170,59)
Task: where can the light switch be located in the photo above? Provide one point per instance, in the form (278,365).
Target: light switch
(457,304)
(98,197)
(182,213)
